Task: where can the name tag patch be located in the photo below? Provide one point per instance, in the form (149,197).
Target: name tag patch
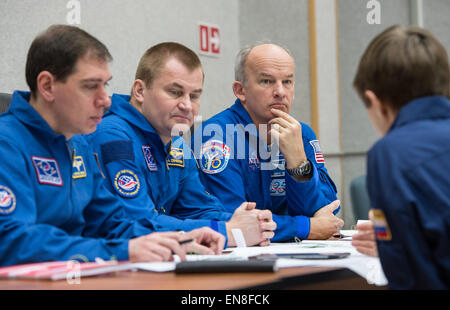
(176,157)
(78,168)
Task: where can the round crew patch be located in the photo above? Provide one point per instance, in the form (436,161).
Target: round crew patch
(214,156)
(127,183)
(7,200)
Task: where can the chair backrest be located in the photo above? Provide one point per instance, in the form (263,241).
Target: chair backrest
(5,100)
(360,198)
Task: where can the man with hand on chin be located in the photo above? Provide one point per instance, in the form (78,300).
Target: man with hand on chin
(292,182)
(150,168)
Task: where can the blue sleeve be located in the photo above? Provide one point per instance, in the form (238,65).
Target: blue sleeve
(105,215)
(23,239)
(139,205)
(117,159)
(305,198)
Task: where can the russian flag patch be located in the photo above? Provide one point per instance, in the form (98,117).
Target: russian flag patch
(382,231)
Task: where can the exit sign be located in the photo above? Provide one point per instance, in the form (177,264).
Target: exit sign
(209,39)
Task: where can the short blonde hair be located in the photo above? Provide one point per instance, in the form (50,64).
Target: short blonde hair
(155,58)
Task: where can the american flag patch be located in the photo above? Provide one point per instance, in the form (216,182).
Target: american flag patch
(317,151)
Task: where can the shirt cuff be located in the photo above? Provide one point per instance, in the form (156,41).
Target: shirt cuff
(220,227)
(303,227)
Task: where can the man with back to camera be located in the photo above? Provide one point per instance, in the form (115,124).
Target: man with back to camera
(403,78)
(53,203)
(235,146)
(138,139)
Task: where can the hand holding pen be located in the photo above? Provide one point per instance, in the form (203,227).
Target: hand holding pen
(161,246)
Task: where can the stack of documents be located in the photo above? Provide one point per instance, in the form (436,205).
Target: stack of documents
(365,266)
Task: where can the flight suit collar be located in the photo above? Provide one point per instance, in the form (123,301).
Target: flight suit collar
(121,106)
(434,107)
(244,118)
(21,108)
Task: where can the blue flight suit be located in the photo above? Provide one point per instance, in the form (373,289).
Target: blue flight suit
(169,189)
(53,203)
(237,167)
(408,181)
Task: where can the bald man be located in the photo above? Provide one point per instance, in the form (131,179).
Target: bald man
(256,151)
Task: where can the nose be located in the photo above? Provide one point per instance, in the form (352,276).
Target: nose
(103,99)
(185,103)
(278,89)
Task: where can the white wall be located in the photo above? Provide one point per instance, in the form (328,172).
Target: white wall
(127,28)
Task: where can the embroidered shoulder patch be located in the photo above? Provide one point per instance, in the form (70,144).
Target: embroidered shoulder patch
(47,171)
(214,156)
(7,200)
(317,151)
(382,231)
(127,183)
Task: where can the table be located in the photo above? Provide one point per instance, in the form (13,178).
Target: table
(316,278)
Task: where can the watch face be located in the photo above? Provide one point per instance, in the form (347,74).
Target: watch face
(305,168)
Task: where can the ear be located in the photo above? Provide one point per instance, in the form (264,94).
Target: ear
(239,90)
(138,90)
(381,107)
(374,101)
(45,81)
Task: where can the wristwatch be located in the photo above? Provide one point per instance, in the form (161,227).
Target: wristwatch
(304,170)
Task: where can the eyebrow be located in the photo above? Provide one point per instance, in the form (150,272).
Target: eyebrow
(95,80)
(263,74)
(175,84)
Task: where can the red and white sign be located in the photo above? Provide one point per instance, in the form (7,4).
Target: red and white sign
(209,39)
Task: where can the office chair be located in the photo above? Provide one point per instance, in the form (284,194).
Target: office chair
(5,100)
(360,198)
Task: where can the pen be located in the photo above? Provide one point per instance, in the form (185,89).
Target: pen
(185,241)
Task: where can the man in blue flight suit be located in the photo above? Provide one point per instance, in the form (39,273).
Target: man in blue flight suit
(240,163)
(139,143)
(404,80)
(53,202)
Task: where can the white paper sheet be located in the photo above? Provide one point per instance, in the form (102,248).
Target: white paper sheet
(155,267)
(365,266)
